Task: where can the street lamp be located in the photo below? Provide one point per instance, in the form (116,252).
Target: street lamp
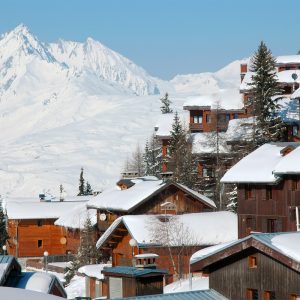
(46,260)
(4,249)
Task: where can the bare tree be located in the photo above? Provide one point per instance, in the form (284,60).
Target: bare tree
(168,231)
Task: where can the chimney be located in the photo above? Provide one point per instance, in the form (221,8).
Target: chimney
(145,261)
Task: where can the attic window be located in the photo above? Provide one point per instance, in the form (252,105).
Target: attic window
(252,262)
(40,243)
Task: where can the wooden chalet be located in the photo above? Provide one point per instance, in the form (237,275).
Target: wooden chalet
(133,235)
(268,182)
(11,275)
(260,266)
(32,230)
(146,195)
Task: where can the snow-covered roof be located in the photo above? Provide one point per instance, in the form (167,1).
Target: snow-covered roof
(289,164)
(77,216)
(125,200)
(257,167)
(94,270)
(206,143)
(207,228)
(183,285)
(296,94)
(269,160)
(37,210)
(17,294)
(288,59)
(287,243)
(163,126)
(282,77)
(39,282)
(226,99)
(240,130)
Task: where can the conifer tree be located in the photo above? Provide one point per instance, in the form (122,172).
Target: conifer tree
(166,102)
(181,158)
(87,253)
(88,189)
(152,157)
(265,94)
(81,184)
(3,232)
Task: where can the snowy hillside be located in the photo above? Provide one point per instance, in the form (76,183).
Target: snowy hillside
(69,105)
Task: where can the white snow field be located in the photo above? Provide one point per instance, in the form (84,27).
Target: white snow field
(68,105)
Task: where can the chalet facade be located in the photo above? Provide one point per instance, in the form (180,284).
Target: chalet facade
(32,230)
(146,195)
(268,182)
(133,235)
(260,266)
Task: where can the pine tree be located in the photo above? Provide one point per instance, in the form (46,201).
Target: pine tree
(3,232)
(88,189)
(81,184)
(265,95)
(87,252)
(181,158)
(166,102)
(152,157)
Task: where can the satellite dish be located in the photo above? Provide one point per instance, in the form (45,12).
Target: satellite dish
(63,240)
(132,243)
(294,76)
(102,217)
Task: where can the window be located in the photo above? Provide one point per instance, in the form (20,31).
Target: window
(269,295)
(40,243)
(208,119)
(295,130)
(235,116)
(39,223)
(252,294)
(248,192)
(227,117)
(271,225)
(207,173)
(269,194)
(197,119)
(252,261)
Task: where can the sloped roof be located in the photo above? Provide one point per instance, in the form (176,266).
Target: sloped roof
(192,295)
(128,199)
(76,217)
(260,166)
(208,228)
(285,244)
(288,59)
(290,164)
(37,210)
(7,264)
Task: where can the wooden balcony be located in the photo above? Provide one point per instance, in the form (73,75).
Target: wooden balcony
(103,225)
(196,127)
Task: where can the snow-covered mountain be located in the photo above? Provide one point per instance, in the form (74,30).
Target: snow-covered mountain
(68,105)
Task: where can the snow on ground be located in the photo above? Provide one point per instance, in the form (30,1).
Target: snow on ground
(71,105)
(76,288)
(198,283)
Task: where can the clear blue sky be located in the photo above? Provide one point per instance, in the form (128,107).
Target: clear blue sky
(166,37)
